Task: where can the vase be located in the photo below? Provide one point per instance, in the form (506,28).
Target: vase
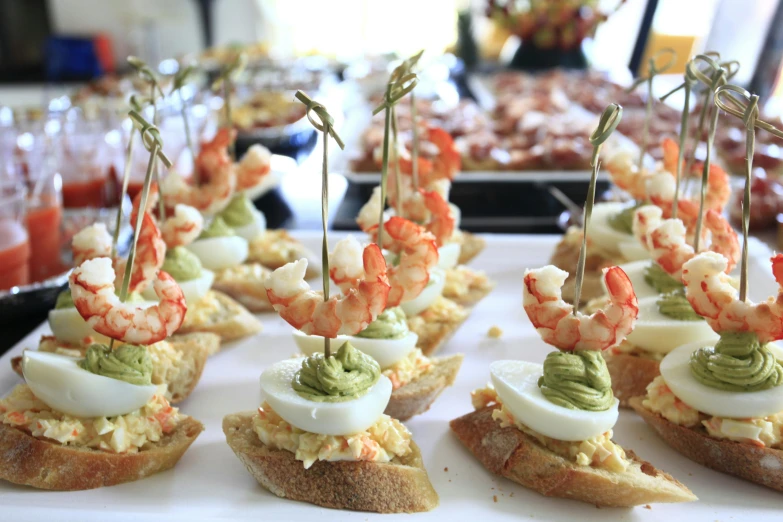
(529,57)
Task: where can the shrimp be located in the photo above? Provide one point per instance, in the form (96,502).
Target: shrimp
(718,186)
(555,321)
(445,165)
(91,242)
(625,173)
(183,227)
(216,170)
(253,167)
(370,211)
(418,255)
(666,238)
(92,287)
(306,310)
(429,208)
(709,291)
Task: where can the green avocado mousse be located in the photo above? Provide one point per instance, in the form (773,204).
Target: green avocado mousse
(219,247)
(217,228)
(128,363)
(243,217)
(185,267)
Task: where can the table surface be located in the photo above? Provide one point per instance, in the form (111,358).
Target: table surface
(209,481)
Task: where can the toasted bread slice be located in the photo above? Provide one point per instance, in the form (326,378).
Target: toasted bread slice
(566,257)
(400,486)
(180,375)
(219,314)
(34,462)
(466,286)
(757,464)
(519,457)
(472,245)
(437,324)
(631,375)
(417,396)
(276,248)
(245,284)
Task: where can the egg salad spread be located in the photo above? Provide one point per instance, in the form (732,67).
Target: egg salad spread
(382,442)
(461,280)
(767,431)
(598,452)
(275,248)
(127,433)
(408,369)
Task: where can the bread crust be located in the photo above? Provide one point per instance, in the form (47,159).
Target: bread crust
(761,465)
(434,332)
(34,462)
(472,245)
(245,284)
(478,288)
(400,486)
(417,396)
(519,457)
(631,375)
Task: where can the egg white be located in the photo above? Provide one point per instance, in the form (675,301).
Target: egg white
(254,229)
(633,250)
(448,255)
(64,386)
(217,253)
(635,271)
(601,233)
(431,292)
(657,333)
(676,372)
(327,418)
(516,383)
(386,352)
(194,289)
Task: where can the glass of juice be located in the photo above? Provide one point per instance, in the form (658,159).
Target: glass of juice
(44,220)
(14,241)
(86,166)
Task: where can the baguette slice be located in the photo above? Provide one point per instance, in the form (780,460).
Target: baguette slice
(245,284)
(219,314)
(517,456)
(437,324)
(466,286)
(34,462)
(472,245)
(761,465)
(180,380)
(631,375)
(399,486)
(417,396)
(276,248)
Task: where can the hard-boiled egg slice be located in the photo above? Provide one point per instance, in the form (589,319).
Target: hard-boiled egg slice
(448,255)
(431,292)
(217,253)
(70,327)
(657,333)
(327,418)
(635,272)
(385,351)
(255,228)
(601,233)
(516,383)
(194,289)
(632,250)
(676,372)
(64,386)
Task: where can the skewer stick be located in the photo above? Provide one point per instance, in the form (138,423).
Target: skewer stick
(326,126)
(179,81)
(226,81)
(610,118)
(749,113)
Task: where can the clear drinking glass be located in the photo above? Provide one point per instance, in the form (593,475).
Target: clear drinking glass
(14,240)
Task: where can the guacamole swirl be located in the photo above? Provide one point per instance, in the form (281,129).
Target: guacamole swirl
(64,300)
(129,363)
(239,211)
(181,264)
(217,228)
(738,362)
(347,375)
(390,324)
(658,278)
(676,306)
(623,220)
(578,380)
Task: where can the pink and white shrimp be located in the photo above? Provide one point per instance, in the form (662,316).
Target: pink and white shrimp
(555,321)
(711,294)
(444,165)
(91,242)
(306,310)
(183,227)
(253,167)
(370,212)
(418,255)
(718,186)
(666,239)
(92,288)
